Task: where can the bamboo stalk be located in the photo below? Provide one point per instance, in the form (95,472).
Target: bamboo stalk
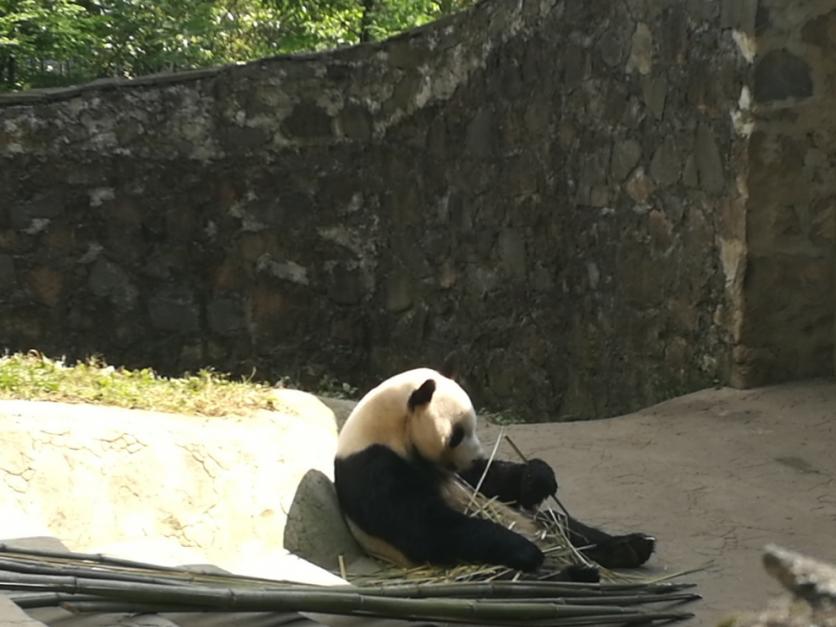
(99,558)
(91,573)
(509,589)
(485,471)
(324,600)
(71,565)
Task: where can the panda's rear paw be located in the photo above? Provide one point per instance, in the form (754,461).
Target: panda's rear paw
(628,551)
(579,572)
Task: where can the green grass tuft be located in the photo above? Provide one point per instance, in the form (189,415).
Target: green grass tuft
(35,377)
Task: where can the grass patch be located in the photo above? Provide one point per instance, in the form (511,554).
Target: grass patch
(35,377)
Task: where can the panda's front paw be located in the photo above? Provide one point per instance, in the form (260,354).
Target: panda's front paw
(525,556)
(628,551)
(537,482)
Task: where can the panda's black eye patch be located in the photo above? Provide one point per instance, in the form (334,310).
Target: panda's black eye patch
(457,436)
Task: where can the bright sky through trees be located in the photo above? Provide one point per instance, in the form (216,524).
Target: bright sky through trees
(46,43)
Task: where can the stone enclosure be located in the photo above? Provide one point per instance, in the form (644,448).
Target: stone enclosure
(589,205)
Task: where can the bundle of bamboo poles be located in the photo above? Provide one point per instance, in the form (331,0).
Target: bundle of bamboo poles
(95,583)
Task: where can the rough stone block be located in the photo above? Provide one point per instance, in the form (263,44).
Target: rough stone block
(625,157)
(243,138)
(615,44)
(739,14)
(7,272)
(576,65)
(174,310)
(399,292)
(226,316)
(47,285)
(666,164)
(346,285)
(655,92)
(641,52)
(708,160)
(307,121)
(690,175)
(43,207)
(355,123)
(107,280)
(639,187)
(512,252)
(481,133)
(780,75)
(821,31)
(660,229)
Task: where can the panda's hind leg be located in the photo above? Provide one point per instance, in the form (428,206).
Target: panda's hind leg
(623,551)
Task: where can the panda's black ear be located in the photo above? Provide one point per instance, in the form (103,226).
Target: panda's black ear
(422,395)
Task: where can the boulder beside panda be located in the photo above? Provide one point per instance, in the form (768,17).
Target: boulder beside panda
(398,451)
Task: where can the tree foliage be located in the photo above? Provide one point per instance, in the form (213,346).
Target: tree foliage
(47,43)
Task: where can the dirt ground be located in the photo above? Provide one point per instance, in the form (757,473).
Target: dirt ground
(714,475)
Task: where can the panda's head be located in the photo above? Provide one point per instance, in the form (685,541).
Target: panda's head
(441,423)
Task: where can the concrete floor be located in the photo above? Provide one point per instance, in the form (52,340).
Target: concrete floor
(714,476)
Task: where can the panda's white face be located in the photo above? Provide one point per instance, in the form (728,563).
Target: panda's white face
(444,429)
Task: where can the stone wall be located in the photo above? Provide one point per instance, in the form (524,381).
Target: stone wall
(553,191)
(788,317)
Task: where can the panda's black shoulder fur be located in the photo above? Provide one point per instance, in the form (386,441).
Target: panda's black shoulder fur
(399,500)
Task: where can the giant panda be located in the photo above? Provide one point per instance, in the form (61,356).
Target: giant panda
(397,453)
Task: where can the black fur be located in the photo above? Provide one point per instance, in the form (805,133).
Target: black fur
(529,483)
(422,395)
(399,501)
(523,484)
(627,551)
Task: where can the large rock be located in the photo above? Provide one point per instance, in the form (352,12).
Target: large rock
(811,585)
(163,488)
